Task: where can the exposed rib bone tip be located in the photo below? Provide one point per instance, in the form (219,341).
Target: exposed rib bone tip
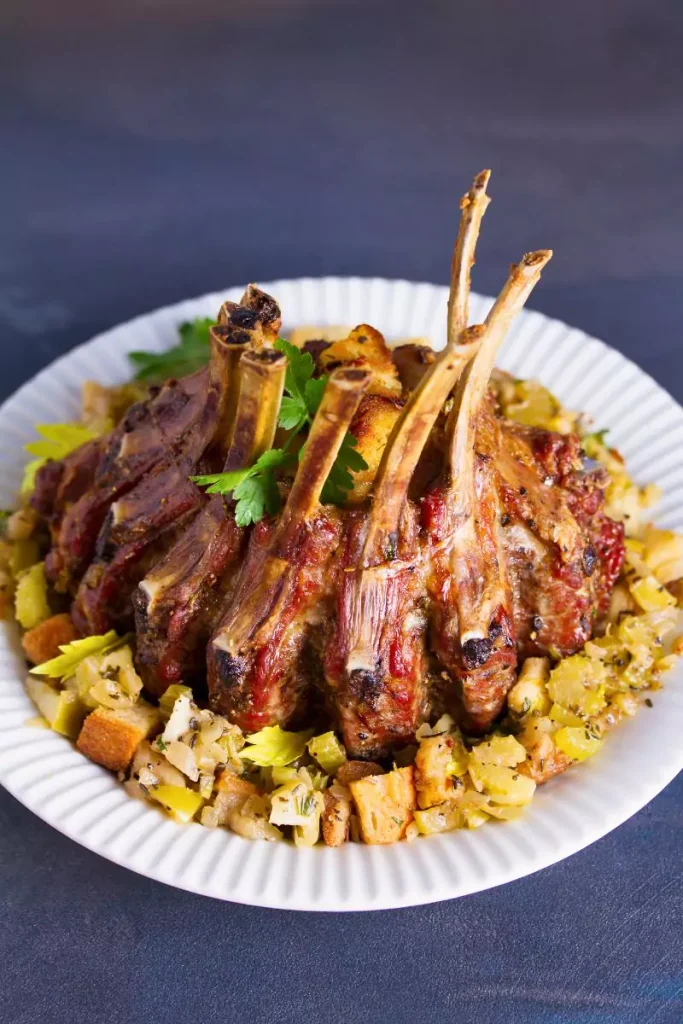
(533,259)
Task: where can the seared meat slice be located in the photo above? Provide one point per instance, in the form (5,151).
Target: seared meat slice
(177,604)
(564,553)
(177,417)
(61,482)
(138,522)
(375,663)
(469,586)
(255,659)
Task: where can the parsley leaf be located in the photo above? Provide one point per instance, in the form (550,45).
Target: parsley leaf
(313,393)
(254,489)
(189,355)
(304,393)
(340,481)
(291,416)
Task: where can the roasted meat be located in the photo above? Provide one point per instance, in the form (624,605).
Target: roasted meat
(467,543)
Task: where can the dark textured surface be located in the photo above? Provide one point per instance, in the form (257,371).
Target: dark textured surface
(155,151)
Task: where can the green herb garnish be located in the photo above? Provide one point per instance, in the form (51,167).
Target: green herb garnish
(189,355)
(255,489)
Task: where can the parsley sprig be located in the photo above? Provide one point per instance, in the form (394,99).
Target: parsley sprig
(190,354)
(255,489)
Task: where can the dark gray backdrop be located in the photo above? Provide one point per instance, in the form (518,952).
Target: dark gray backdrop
(156,150)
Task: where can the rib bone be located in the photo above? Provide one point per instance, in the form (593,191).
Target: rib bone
(473,598)
(252,659)
(375,662)
(177,603)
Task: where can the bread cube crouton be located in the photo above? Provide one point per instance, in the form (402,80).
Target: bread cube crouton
(232,795)
(544,760)
(300,336)
(433,779)
(336,816)
(111,737)
(365,347)
(385,805)
(371,426)
(351,771)
(42,643)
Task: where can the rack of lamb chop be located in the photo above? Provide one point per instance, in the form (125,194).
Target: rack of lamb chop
(468,542)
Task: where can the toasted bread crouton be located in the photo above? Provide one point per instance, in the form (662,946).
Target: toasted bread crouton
(111,737)
(42,643)
(413,358)
(371,426)
(544,760)
(365,347)
(336,816)
(385,805)
(232,795)
(433,780)
(351,771)
(300,336)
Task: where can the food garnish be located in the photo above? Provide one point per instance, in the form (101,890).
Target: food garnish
(189,355)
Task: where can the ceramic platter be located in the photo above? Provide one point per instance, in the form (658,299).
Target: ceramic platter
(45,772)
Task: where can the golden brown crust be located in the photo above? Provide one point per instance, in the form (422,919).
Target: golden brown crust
(43,641)
(365,348)
(371,426)
(111,738)
(544,761)
(385,805)
(433,780)
(336,817)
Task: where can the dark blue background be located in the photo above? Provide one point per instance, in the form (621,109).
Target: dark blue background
(153,151)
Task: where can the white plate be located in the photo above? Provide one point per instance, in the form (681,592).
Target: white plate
(85,802)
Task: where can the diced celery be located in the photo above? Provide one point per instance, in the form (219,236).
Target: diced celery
(564,717)
(181,803)
(503,785)
(327,751)
(442,818)
(460,757)
(62,709)
(500,750)
(282,775)
(30,600)
(577,683)
(576,743)
(651,595)
(169,698)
